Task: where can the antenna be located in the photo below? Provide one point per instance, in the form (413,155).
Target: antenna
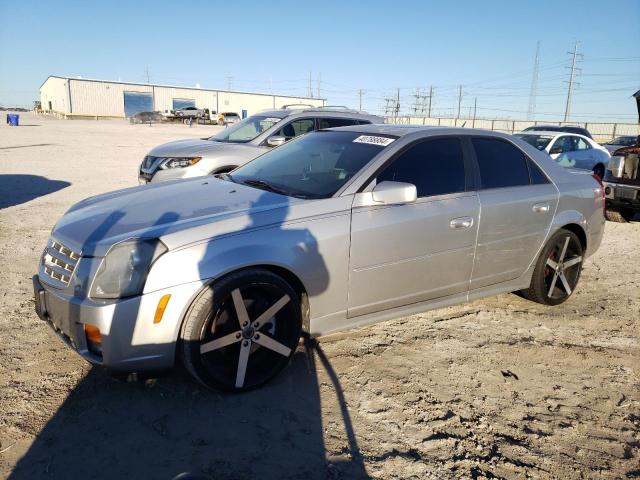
(534,84)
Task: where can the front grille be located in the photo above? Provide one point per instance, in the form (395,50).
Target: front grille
(59,262)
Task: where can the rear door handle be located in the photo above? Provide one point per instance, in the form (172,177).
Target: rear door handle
(461,222)
(541,207)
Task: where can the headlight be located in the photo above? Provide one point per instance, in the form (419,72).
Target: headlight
(123,272)
(616,165)
(179,162)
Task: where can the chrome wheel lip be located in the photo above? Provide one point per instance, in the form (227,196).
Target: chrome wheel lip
(249,335)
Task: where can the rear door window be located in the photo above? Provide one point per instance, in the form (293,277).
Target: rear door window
(335,122)
(501,164)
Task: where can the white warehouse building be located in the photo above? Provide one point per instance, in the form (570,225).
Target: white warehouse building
(86,98)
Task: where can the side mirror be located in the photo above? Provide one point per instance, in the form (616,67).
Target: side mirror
(275,141)
(394,193)
(555,150)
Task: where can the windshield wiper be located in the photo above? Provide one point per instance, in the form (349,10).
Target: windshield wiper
(261,184)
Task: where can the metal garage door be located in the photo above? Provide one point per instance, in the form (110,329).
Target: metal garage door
(136,102)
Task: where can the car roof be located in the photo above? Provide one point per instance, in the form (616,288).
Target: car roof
(318,111)
(404,130)
(551,133)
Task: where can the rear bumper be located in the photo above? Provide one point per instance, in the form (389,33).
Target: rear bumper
(131,341)
(619,195)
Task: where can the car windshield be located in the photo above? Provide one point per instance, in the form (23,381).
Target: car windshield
(315,165)
(246,130)
(538,141)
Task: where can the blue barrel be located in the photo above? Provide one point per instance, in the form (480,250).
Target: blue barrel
(13,119)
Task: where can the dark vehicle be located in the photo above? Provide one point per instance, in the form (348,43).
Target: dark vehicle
(622,184)
(619,142)
(146,117)
(557,128)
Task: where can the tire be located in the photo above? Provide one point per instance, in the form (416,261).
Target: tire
(557,270)
(623,215)
(226,350)
(598,171)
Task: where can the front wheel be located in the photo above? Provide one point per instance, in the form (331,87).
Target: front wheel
(241,331)
(557,269)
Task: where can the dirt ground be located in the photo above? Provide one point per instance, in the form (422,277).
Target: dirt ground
(498,388)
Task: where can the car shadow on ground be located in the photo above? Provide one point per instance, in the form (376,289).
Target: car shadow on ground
(17,188)
(158,429)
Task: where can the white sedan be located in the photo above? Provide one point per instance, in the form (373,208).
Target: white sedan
(570,150)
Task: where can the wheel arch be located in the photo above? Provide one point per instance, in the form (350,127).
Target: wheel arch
(286,274)
(579,232)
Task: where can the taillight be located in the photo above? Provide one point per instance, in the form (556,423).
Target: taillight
(599,192)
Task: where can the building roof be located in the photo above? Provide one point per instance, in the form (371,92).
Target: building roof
(178,86)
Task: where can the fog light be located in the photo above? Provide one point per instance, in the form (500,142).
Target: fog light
(162,305)
(94,338)
(607,190)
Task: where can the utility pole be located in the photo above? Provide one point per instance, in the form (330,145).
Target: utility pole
(360,91)
(397,109)
(229,80)
(146,72)
(475,108)
(319,81)
(459,101)
(430,98)
(572,76)
(534,84)
(310,90)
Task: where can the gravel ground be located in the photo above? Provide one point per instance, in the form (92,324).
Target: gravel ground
(498,388)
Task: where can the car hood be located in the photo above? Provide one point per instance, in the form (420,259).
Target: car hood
(93,225)
(198,148)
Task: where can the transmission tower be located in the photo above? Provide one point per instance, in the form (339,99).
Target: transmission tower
(534,84)
(572,79)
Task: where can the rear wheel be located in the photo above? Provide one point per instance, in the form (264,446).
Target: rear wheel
(623,215)
(241,331)
(557,270)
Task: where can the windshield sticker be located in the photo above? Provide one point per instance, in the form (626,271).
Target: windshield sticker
(372,140)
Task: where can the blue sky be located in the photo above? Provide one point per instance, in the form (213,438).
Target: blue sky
(487,47)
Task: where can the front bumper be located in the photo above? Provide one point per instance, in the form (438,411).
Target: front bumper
(619,195)
(131,341)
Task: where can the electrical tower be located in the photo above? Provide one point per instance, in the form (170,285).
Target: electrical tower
(534,85)
(392,104)
(572,79)
(420,104)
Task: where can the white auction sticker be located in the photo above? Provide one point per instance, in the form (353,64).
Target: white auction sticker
(373,140)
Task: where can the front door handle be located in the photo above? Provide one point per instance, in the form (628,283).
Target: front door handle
(461,222)
(541,207)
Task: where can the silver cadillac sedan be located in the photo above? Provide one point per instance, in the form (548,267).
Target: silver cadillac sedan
(336,229)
